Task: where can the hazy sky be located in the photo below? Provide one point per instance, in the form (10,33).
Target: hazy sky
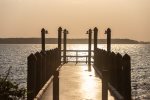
(25,18)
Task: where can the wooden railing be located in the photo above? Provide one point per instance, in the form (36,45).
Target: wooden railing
(43,66)
(115,71)
(75,54)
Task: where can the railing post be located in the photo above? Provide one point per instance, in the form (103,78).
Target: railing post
(104,84)
(95,41)
(43,32)
(89,49)
(59,42)
(65,39)
(108,32)
(56,85)
(95,38)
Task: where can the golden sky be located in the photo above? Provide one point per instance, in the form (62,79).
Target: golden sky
(25,18)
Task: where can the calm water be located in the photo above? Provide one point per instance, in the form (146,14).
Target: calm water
(15,55)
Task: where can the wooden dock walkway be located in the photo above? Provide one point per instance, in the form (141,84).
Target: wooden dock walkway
(77,83)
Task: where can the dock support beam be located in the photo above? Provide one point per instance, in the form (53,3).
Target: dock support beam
(89,49)
(108,32)
(59,42)
(65,42)
(95,38)
(43,32)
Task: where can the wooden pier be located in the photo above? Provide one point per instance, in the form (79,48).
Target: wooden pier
(77,83)
(51,78)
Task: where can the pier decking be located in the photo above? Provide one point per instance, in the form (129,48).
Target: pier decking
(77,83)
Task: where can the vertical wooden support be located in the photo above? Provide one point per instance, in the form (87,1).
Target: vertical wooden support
(31,77)
(95,41)
(108,32)
(56,85)
(59,37)
(89,49)
(43,39)
(105,84)
(95,38)
(127,77)
(64,52)
(59,42)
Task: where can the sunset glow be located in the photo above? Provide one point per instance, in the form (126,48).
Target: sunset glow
(24,18)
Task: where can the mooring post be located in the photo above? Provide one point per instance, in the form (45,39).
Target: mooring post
(95,38)
(108,32)
(65,39)
(95,41)
(59,38)
(43,32)
(89,49)
(59,42)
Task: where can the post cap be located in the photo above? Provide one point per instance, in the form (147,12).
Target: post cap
(87,32)
(65,31)
(105,32)
(59,29)
(96,29)
(90,31)
(108,30)
(46,32)
(42,30)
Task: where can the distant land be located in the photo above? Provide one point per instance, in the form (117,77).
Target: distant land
(69,41)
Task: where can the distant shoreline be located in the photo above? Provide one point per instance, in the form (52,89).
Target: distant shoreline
(69,41)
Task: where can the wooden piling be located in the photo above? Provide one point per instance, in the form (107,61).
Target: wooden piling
(31,77)
(89,49)
(127,77)
(108,32)
(59,42)
(95,38)
(64,51)
(43,39)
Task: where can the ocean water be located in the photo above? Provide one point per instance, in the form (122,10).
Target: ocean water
(15,55)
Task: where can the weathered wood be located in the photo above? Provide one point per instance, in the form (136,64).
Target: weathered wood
(43,31)
(95,38)
(65,39)
(89,49)
(118,76)
(108,32)
(59,42)
(31,77)
(127,77)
